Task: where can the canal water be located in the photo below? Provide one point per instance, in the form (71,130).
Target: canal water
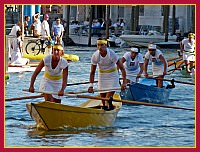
(135,126)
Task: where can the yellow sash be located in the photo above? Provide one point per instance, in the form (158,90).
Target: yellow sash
(47,75)
(107,71)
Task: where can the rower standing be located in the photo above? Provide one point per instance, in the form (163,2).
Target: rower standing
(159,64)
(187,47)
(108,76)
(55,75)
(133,63)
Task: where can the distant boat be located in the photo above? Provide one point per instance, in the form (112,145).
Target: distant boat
(146,91)
(22,68)
(81,40)
(143,40)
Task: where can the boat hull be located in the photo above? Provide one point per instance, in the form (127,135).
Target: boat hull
(143,40)
(49,115)
(146,92)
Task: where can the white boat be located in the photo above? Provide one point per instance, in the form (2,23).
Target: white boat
(81,40)
(143,40)
(22,68)
(49,115)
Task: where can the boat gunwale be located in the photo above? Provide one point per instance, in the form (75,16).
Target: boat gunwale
(150,87)
(92,110)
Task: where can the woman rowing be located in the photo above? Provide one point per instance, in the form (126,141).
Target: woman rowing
(108,76)
(133,64)
(159,64)
(55,75)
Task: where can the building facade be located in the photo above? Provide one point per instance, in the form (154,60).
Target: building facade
(148,15)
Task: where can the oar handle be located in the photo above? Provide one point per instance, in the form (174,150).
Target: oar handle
(71,84)
(79,92)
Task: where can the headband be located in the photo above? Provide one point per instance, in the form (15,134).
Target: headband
(191,36)
(58,47)
(134,50)
(101,42)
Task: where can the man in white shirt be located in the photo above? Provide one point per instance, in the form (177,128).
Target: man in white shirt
(37,25)
(45,26)
(13,32)
(159,64)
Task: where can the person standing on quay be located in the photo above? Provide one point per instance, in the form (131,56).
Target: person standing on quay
(15,28)
(108,76)
(16,56)
(37,25)
(159,64)
(58,31)
(45,26)
(26,20)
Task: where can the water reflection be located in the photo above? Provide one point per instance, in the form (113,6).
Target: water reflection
(68,132)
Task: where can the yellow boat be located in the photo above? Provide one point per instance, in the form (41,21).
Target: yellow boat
(49,115)
(68,57)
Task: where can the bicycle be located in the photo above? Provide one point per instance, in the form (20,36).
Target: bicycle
(39,45)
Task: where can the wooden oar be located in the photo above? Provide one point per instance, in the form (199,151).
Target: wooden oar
(172,80)
(170,59)
(27,97)
(117,100)
(134,102)
(176,68)
(87,82)
(79,92)
(178,62)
